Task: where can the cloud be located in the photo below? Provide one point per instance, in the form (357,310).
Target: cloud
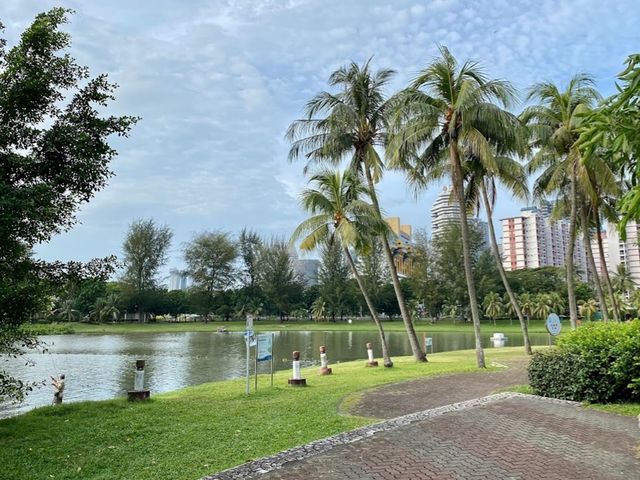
(217,83)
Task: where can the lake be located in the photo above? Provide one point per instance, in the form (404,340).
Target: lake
(99,367)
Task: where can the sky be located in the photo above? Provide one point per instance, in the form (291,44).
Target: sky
(217,82)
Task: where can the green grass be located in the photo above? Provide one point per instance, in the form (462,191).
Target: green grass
(537,326)
(517,389)
(200,430)
(632,409)
(49,328)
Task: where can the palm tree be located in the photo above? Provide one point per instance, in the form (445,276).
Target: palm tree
(340,215)
(527,305)
(109,307)
(492,305)
(67,311)
(554,125)
(450,113)
(351,124)
(542,306)
(556,303)
(587,308)
(318,309)
(482,183)
(509,308)
(623,281)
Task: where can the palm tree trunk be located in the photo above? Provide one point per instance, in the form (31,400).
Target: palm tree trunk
(383,340)
(571,284)
(503,275)
(418,354)
(592,262)
(466,251)
(605,270)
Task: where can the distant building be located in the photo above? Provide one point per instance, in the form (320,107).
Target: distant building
(306,269)
(618,251)
(532,240)
(401,245)
(178,280)
(446,211)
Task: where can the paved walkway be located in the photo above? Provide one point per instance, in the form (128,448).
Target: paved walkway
(504,436)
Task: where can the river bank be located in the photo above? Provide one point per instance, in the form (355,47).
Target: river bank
(199,430)
(421,326)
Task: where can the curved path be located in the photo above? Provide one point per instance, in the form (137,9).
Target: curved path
(445,432)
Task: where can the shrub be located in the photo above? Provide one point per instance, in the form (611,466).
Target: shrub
(598,362)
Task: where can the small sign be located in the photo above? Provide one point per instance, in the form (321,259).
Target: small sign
(249,322)
(250,338)
(429,342)
(553,324)
(264,347)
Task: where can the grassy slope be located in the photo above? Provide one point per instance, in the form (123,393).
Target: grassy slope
(199,430)
(536,326)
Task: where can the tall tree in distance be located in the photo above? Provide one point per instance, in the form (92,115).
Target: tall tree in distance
(54,156)
(350,124)
(452,112)
(210,258)
(333,280)
(145,251)
(555,123)
(249,244)
(277,278)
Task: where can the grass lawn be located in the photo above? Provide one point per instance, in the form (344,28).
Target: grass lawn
(505,326)
(632,409)
(200,430)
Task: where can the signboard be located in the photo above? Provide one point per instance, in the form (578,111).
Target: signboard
(553,324)
(250,338)
(264,348)
(429,342)
(249,322)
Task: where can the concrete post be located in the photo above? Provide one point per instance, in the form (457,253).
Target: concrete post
(297,380)
(372,361)
(138,392)
(324,363)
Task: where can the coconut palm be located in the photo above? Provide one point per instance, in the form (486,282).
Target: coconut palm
(350,124)
(556,303)
(527,305)
(554,125)
(587,308)
(319,310)
(109,307)
(66,310)
(622,280)
(450,113)
(492,305)
(339,214)
(541,306)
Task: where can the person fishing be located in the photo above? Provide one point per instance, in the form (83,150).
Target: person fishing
(58,389)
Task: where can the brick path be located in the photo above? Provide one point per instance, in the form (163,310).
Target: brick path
(398,399)
(517,438)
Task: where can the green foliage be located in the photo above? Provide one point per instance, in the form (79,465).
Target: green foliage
(277,279)
(145,251)
(333,280)
(598,362)
(54,157)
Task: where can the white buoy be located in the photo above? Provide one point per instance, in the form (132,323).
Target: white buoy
(372,361)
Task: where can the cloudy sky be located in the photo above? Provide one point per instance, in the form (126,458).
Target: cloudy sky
(217,83)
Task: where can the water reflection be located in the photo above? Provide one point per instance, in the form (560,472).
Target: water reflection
(99,367)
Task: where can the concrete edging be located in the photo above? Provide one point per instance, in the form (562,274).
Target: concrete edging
(274,462)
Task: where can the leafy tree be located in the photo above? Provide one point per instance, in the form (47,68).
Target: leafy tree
(541,306)
(277,279)
(352,123)
(450,113)
(555,124)
(341,216)
(622,280)
(333,279)
(145,251)
(210,258)
(422,275)
(66,311)
(587,308)
(373,271)
(54,156)
(249,244)
(492,305)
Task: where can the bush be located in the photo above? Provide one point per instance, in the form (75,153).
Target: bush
(598,362)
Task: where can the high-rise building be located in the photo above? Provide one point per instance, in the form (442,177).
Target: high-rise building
(532,240)
(401,245)
(446,211)
(178,280)
(306,269)
(619,252)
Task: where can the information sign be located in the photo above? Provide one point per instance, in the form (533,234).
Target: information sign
(264,347)
(553,324)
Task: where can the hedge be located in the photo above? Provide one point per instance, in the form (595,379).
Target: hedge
(598,362)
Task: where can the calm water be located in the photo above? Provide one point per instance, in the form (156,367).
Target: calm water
(99,367)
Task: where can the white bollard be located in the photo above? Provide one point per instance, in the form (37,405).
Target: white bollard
(138,392)
(372,361)
(297,380)
(324,363)
(498,340)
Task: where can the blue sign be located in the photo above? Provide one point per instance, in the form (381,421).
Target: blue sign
(265,347)
(429,342)
(250,338)
(553,324)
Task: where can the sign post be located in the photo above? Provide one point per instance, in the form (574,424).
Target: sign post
(553,326)
(264,352)
(250,341)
